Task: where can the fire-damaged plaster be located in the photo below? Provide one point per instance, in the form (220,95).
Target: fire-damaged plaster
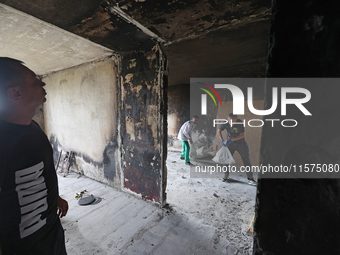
(109,29)
(142,123)
(172,20)
(81,115)
(201,38)
(177,20)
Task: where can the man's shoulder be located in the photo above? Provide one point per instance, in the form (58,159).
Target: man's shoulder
(35,124)
(5,127)
(239,122)
(10,132)
(5,137)
(187,123)
(224,126)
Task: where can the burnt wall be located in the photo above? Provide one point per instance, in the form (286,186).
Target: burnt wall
(143,118)
(178,111)
(301,216)
(81,115)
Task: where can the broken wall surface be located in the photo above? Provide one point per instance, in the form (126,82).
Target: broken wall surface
(301,216)
(144,125)
(81,115)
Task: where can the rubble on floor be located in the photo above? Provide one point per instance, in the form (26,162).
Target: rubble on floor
(203,216)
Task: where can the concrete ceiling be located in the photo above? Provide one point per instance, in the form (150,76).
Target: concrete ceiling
(43,47)
(232,32)
(240,52)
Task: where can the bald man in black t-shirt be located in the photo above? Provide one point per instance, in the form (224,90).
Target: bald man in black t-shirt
(30,205)
(236,142)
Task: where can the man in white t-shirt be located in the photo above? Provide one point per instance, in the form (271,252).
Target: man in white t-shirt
(184,136)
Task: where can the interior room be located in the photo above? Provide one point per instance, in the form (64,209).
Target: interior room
(117,77)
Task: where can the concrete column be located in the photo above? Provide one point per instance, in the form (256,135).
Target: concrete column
(144,126)
(301,216)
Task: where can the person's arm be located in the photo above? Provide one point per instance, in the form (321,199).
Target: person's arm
(191,127)
(62,207)
(240,136)
(219,132)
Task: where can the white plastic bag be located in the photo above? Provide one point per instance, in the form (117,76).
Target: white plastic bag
(223,156)
(204,153)
(193,153)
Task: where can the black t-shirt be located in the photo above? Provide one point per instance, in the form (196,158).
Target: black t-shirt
(235,130)
(29,185)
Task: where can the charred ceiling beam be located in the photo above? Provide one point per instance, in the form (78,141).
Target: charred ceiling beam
(176,20)
(117,10)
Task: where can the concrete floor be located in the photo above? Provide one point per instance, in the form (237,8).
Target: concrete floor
(206,216)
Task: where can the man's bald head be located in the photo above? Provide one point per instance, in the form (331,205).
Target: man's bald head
(10,73)
(21,92)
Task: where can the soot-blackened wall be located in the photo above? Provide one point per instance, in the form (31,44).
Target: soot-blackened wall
(143,118)
(301,216)
(178,111)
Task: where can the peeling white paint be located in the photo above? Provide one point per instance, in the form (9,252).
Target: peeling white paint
(132,63)
(128,77)
(131,192)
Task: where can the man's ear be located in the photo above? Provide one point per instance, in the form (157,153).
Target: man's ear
(14,93)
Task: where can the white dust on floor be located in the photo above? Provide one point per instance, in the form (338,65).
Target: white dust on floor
(226,207)
(205,216)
